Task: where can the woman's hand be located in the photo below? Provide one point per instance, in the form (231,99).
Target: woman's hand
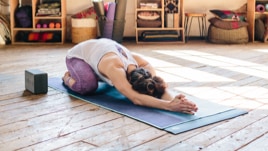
(181,104)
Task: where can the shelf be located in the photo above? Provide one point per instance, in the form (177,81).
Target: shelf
(35,43)
(41,29)
(261,13)
(47,17)
(261,1)
(34,35)
(160,42)
(149,9)
(159,28)
(175,23)
(252,15)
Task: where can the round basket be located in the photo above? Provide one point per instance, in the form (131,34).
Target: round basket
(83,29)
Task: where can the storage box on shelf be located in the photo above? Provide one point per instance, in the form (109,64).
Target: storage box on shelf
(159,21)
(47,22)
(257,9)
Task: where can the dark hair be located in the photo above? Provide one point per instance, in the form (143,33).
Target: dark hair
(143,82)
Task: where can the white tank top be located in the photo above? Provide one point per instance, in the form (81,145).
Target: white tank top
(91,51)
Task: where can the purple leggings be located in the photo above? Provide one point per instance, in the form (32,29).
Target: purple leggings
(85,77)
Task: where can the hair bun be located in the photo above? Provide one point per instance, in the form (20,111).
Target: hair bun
(143,82)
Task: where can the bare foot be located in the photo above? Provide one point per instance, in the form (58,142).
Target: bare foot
(67,79)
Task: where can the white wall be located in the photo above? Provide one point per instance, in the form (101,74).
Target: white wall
(189,6)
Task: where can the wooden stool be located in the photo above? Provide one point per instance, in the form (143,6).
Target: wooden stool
(201,22)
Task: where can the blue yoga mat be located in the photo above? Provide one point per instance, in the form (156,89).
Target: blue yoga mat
(108,97)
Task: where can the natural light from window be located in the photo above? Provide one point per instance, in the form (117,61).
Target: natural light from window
(226,88)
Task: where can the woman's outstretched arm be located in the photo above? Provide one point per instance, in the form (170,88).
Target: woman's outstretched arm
(178,103)
(112,68)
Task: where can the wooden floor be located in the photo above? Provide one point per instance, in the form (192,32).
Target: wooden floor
(232,75)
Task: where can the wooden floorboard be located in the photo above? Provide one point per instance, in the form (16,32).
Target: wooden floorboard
(231,75)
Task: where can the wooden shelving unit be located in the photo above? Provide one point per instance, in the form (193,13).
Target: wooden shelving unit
(61,18)
(251,16)
(163,27)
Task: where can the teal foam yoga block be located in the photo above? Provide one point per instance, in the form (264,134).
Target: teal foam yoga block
(36,81)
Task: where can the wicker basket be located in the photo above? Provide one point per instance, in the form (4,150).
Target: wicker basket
(224,36)
(83,29)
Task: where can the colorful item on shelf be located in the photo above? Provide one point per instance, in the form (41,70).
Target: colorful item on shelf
(148,5)
(49,9)
(149,23)
(42,37)
(87,13)
(48,25)
(28,36)
(51,25)
(23,16)
(58,25)
(260,8)
(228,15)
(38,26)
(227,24)
(160,36)
(45,26)
(148,15)
(171,6)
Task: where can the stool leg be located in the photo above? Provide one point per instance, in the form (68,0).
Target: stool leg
(205,22)
(186,27)
(200,27)
(190,27)
(204,27)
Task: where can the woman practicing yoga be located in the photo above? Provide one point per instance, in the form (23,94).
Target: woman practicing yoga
(106,60)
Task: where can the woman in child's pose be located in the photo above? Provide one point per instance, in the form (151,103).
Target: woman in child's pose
(106,60)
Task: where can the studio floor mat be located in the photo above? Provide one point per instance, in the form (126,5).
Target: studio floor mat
(109,98)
